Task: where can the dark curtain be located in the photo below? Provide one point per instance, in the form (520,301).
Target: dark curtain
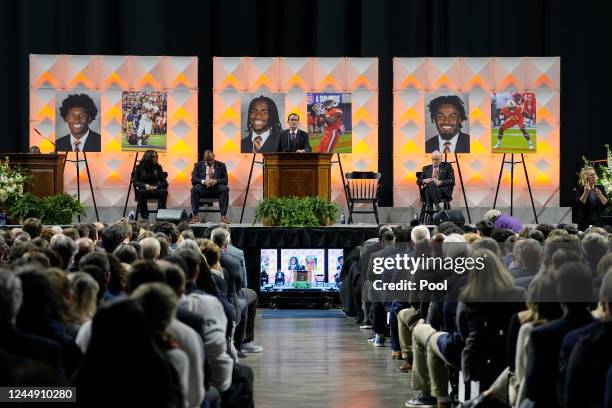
(578,31)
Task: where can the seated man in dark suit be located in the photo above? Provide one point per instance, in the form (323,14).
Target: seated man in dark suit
(438,180)
(79,111)
(209,180)
(293,139)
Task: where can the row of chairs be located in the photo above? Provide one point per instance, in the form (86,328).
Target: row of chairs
(362,187)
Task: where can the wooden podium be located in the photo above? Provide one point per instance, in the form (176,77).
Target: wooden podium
(46,169)
(297,174)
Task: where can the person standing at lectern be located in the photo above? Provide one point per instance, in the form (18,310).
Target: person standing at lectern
(590,199)
(209,180)
(293,139)
(150,182)
(79,111)
(437,180)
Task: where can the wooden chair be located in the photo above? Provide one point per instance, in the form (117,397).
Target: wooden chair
(422,214)
(206,205)
(363,187)
(149,200)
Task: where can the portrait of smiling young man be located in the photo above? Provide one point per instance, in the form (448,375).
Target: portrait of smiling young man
(78,111)
(447,113)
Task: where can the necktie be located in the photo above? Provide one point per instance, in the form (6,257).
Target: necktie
(76,145)
(447,147)
(209,172)
(257,144)
(435,172)
(292,137)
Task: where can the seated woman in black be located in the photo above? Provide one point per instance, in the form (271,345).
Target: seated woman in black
(590,199)
(150,182)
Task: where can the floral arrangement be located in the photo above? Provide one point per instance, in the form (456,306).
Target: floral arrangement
(12,180)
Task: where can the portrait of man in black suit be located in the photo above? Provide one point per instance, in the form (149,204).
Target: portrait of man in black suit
(263,127)
(78,111)
(448,114)
(293,140)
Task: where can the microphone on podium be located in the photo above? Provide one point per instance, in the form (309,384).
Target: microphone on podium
(48,140)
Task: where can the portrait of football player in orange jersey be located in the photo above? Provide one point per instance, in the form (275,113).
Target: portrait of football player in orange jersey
(331,123)
(518,112)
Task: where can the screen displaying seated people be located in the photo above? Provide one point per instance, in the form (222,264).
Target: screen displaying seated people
(300,268)
(335,260)
(267,269)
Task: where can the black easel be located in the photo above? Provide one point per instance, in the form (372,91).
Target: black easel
(77,162)
(341,175)
(501,170)
(467,208)
(127,197)
(246,194)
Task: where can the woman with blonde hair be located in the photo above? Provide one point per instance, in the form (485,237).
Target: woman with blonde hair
(85,294)
(590,199)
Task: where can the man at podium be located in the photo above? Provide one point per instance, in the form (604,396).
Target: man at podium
(293,139)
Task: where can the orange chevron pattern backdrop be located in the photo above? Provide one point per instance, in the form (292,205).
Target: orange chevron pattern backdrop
(294,77)
(110,75)
(413,77)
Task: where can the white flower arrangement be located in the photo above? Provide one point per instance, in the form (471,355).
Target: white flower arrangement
(11,181)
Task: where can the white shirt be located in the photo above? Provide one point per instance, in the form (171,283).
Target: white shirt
(264,136)
(206,171)
(83,140)
(453,143)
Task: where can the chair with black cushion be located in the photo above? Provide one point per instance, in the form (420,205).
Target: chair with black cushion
(363,187)
(445,203)
(264,278)
(207,205)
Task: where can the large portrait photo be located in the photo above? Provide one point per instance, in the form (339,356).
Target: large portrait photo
(513,122)
(260,119)
(144,120)
(77,124)
(330,122)
(447,128)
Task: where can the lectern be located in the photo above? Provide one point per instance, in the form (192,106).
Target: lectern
(47,171)
(297,174)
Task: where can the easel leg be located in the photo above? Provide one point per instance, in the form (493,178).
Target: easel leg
(246,194)
(529,188)
(501,170)
(511,183)
(93,196)
(127,198)
(78,174)
(467,208)
(342,176)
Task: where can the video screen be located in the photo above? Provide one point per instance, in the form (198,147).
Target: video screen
(300,268)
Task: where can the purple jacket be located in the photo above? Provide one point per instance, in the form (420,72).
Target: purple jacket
(506,221)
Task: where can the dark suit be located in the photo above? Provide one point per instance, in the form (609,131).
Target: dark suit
(433,194)
(462,146)
(543,351)
(93,143)
(219,190)
(153,176)
(270,145)
(285,144)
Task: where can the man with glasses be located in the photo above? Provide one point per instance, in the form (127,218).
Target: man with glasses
(437,180)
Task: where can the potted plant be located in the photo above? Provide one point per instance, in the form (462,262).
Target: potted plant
(326,211)
(268,211)
(60,209)
(12,180)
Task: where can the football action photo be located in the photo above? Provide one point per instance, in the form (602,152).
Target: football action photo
(513,122)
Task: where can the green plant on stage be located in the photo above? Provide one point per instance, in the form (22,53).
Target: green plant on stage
(51,210)
(61,209)
(24,206)
(12,181)
(301,285)
(296,211)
